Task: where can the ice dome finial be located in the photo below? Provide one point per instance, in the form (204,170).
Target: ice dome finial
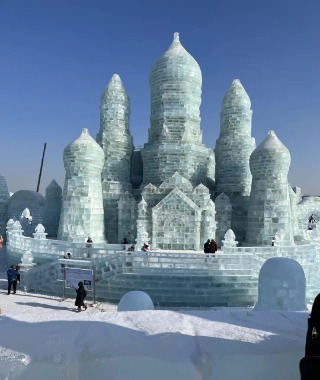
(115,77)
(176,37)
(85,131)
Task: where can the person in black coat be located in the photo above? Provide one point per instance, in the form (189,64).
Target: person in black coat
(81,295)
(206,246)
(312,347)
(12,276)
(310,365)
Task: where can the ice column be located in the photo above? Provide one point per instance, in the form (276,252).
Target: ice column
(82,206)
(175,139)
(116,141)
(53,208)
(269,206)
(233,149)
(4,197)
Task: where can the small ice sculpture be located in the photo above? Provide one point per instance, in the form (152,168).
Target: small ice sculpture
(10,224)
(26,215)
(27,260)
(40,232)
(17,228)
(280,238)
(229,239)
(135,301)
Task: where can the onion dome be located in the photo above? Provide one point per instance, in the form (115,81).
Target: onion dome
(175,62)
(83,155)
(236,97)
(271,157)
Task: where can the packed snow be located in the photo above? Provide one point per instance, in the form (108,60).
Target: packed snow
(42,337)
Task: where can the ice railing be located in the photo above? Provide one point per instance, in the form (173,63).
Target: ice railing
(44,248)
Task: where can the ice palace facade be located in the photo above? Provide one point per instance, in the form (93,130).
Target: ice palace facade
(174,193)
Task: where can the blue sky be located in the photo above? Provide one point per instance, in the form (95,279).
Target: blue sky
(56,57)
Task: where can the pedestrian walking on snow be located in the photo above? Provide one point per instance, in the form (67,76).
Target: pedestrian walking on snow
(81,295)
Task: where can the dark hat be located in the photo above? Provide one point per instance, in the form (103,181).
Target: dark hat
(80,283)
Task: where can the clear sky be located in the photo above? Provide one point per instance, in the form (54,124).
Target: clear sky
(56,57)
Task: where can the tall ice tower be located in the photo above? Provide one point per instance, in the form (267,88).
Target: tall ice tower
(175,139)
(269,207)
(82,207)
(116,141)
(233,149)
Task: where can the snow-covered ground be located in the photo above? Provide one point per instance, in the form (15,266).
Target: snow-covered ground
(42,337)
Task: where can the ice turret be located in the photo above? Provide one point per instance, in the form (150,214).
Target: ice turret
(175,139)
(82,209)
(116,141)
(269,206)
(53,208)
(233,149)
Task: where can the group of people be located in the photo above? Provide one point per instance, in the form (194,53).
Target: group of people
(210,246)
(13,276)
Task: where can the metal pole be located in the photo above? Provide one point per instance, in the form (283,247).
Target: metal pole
(94,287)
(44,149)
(64,284)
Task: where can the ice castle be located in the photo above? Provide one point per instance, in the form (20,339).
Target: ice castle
(174,192)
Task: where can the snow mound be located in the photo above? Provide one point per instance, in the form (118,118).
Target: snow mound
(135,301)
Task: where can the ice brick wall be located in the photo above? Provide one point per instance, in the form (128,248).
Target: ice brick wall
(82,207)
(269,207)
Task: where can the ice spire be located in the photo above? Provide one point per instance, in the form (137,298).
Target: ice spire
(116,141)
(233,149)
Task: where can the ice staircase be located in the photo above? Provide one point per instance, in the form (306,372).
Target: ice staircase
(176,280)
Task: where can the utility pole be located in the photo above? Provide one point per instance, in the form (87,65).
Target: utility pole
(44,150)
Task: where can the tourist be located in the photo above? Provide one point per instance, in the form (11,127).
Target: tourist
(12,279)
(81,295)
(125,241)
(132,248)
(89,240)
(310,364)
(1,241)
(206,246)
(213,246)
(145,247)
(67,256)
(312,347)
(272,242)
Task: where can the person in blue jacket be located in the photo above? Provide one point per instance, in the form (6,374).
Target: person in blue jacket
(12,279)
